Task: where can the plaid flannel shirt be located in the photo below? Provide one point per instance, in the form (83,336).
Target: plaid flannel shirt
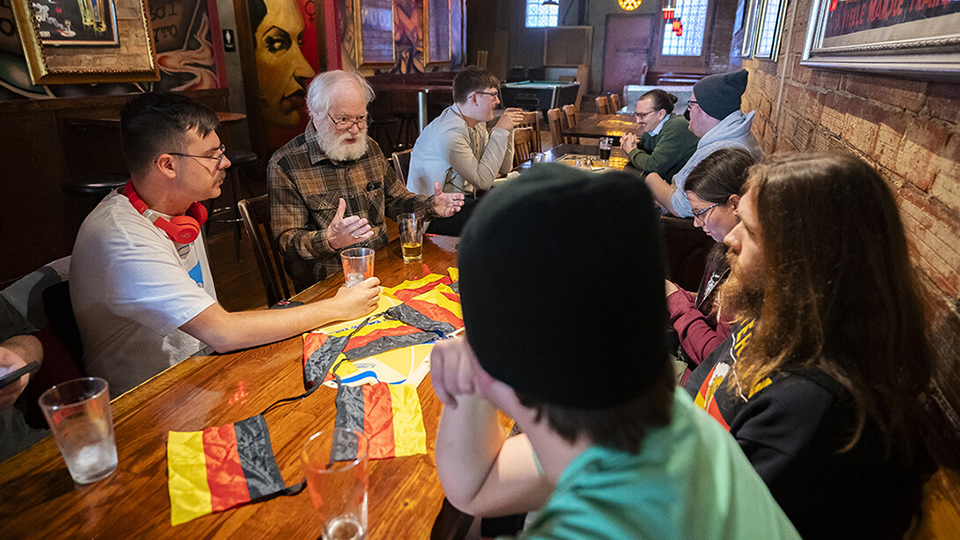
(305,188)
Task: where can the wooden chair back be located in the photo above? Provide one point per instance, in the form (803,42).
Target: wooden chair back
(531,120)
(401,164)
(522,145)
(555,120)
(255,214)
(482,57)
(570,114)
(603,105)
(616,103)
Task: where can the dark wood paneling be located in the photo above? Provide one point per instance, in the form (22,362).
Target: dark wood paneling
(40,151)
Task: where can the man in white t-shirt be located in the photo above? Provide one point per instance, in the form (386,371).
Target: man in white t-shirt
(141,285)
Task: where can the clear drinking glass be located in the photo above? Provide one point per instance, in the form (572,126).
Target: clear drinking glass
(357,265)
(79,415)
(335,466)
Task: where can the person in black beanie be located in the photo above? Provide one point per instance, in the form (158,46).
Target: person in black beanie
(715,117)
(565,320)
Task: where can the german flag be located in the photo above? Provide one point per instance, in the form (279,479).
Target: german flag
(219,468)
(388,414)
(409,289)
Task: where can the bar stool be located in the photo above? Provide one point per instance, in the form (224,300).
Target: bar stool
(239,160)
(93,188)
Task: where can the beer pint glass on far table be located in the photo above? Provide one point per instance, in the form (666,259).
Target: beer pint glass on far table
(335,466)
(79,415)
(411,236)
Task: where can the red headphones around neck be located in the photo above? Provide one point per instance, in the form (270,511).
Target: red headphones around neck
(181,229)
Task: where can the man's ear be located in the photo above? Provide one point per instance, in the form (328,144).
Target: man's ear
(734,200)
(166,165)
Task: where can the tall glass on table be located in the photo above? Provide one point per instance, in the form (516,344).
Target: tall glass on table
(411,228)
(79,415)
(335,466)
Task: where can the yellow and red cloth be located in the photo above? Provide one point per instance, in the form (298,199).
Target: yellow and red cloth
(219,468)
(389,414)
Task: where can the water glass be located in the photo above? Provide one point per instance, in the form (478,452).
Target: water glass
(79,415)
(357,265)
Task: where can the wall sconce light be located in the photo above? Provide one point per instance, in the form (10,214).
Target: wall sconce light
(668,13)
(549,3)
(629,5)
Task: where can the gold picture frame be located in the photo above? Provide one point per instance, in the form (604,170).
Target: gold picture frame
(437,42)
(374,19)
(135,58)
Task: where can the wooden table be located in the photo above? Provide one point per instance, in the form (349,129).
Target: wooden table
(41,501)
(602,125)
(618,159)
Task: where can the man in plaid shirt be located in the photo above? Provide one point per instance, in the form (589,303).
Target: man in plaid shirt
(331,186)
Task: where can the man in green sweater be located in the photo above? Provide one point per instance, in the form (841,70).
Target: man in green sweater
(665,143)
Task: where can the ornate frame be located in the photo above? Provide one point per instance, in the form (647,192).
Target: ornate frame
(362,12)
(134,60)
(430,56)
(906,44)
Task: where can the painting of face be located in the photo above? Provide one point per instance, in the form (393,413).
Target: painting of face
(282,70)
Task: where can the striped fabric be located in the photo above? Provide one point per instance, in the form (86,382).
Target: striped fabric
(433,312)
(388,414)
(219,468)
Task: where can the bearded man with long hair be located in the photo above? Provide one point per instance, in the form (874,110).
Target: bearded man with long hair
(820,379)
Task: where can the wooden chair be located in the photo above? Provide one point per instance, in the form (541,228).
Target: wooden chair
(532,120)
(555,120)
(603,105)
(522,145)
(401,164)
(570,115)
(255,214)
(616,103)
(482,57)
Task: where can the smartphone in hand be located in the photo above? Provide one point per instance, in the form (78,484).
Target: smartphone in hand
(15,375)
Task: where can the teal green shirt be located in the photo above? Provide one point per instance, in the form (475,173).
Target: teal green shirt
(690,481)
(666,152)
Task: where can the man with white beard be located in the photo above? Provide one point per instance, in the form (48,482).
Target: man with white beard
(331,186)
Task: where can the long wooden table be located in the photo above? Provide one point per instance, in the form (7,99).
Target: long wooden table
(602,125)
(41,501)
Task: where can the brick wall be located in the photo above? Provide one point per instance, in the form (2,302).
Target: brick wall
(910,131)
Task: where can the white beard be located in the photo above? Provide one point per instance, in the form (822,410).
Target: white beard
(337,150)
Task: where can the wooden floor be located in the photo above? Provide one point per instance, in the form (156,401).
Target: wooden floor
(238,283)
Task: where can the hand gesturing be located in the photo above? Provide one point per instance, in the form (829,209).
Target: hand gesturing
(346,231)
(446,204)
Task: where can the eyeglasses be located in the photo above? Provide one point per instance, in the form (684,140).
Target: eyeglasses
(701,214)
(218,157)
(640,116)
(693,102)
(491,94)
(343,124)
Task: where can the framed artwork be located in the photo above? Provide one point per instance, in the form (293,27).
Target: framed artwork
(373,24)
(76,22)
(86,41)
(898,37)
(436,27)
(769,27)
(749,27)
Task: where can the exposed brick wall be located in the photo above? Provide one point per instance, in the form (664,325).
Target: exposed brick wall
(910,131)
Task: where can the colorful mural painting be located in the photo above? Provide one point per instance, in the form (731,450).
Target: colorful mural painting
(183,31)
(285,45)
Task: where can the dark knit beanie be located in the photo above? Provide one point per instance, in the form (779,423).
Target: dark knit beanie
(719,95)
(561,282)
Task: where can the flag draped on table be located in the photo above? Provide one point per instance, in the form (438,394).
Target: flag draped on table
(389,414)
(219,468)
